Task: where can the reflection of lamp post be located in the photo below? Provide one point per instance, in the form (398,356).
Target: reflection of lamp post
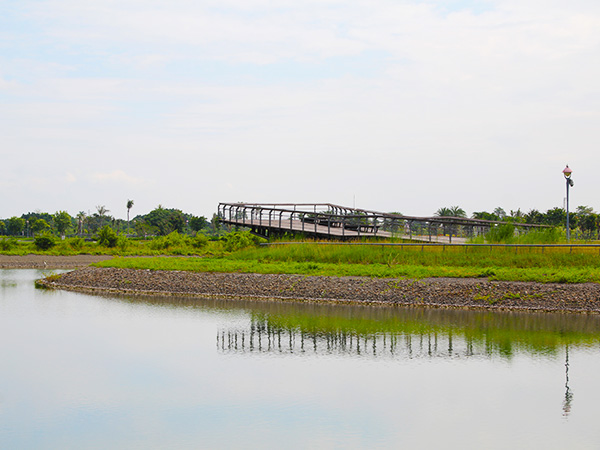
(567,173)
(568,393)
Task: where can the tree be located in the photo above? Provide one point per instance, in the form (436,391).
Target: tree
(15,226)
(584,210)
(555,217)
(81,216)
(500,213)
(144,229)
(484,215)
(39,226)
(129,206)
(2,227)
(165,221)
(102,211)
(197,223)
(453,211)
(588,222)
(516,215)
(215,223)
(534,217)
(62,222)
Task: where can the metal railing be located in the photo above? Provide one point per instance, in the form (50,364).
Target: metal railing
(443,246)
(335,221)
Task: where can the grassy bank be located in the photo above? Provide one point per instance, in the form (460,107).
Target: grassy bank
(557,266)
(171,244)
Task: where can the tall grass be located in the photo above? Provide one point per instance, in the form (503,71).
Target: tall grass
(390,262)
(425,256)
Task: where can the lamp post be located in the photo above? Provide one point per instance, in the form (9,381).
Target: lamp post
(567,173)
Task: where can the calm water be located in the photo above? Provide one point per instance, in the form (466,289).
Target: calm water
(82,371)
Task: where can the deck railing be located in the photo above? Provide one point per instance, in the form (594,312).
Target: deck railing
(335,221)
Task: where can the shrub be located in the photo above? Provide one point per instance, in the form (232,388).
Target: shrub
(169,241)
(44,241)
(200,241)
(501,233)
(123,243)
(107,237)
(241,239)
(76,243)
(7,244)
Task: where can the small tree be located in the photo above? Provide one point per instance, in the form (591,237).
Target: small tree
(62,222)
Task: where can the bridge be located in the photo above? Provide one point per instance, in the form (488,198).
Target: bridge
(330,221)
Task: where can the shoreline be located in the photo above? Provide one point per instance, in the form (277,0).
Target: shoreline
(464,293)
(34,261)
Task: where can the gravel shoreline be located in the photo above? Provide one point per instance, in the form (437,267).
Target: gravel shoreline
(433,292)
(49,261)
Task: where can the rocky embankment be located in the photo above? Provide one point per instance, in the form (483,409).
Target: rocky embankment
(436,292)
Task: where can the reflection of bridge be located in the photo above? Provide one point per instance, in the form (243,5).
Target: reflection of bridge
(325,220)
(264,338)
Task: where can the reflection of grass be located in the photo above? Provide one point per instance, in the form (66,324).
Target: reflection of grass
(498,333)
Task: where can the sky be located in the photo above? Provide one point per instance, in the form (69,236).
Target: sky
(387,105)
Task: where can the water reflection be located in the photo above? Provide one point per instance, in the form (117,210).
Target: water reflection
(406,332)
(263,337)
(568,394)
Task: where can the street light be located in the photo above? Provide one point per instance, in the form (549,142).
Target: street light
(567,173)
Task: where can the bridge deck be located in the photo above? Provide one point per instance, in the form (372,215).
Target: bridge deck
(329,221)
(335,231)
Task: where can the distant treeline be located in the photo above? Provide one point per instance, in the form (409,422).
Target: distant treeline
(158,222)
(162,221)
(584,218)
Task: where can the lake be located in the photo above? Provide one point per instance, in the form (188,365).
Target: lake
(84,371)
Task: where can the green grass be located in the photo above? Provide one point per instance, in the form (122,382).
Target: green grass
(388,262)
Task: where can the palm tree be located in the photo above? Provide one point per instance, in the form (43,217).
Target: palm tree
(80,220)
(129,206)
(101,212)
(453,211)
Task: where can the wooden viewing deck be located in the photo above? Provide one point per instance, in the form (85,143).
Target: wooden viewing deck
(329,221)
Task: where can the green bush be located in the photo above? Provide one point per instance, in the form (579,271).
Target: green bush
(7,244)
(76,243)
(44,241)
(241,239)
(107,237)
(200,241)
(170,241)
(123,243)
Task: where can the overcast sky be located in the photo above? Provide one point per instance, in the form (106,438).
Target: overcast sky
(391,105)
